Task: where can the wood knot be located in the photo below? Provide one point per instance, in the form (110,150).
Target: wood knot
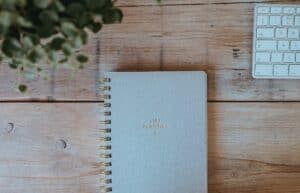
(233,174)
(9,128)
(61,144)
(236,52)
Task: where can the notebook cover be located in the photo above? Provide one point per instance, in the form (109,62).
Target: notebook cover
(159,132)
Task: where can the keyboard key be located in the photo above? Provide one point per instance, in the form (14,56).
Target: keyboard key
(295,45)
(266,45)
(281,70)
(283,45)
(276,57)
(287,20)
(289,10)
(262,20)
(294,70)
(281,33)
(262,57)
(289,57)
(293,33)
(297,57)
(276,9)
(264,70)
(275,20)
(297,20)
(265,32)
(263,10)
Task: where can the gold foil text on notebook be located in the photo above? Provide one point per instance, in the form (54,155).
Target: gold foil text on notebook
(154,123)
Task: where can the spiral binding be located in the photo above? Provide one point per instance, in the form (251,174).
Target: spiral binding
(105,138)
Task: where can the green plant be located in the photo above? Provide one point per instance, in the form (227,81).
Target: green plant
(37,33)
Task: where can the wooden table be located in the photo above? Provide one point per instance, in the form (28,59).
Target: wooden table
(49,138)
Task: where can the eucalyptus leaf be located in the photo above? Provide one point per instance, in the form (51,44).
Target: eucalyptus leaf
(56,43)
(5,18)
(67,49)
(46,30)
(95,27)
(63,60)
(82,58)
(39,69)
(36,54)
(21,3)
(42,3)
(13,65)
(84,36)
(84,20)
(77,42)
(69,29)
(34,38)
(95,4)
(48,16)
(75,9)
(112,16)
(23,22)
(27,43)
(22,88)
(52,55)
(11,46)
(59,6)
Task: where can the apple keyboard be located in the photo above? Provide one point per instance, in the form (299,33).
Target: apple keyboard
(276,41)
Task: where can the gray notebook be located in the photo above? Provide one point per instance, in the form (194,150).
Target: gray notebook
(158,125)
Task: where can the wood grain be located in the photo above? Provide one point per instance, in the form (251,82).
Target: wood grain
(181,37)
(124,3)
(153,37)
(254,147)
(162,2)
(137,3)
(251,2)
(148,38)
(49,148)
(171,37)
(229,56)
(52,147)
(60,83)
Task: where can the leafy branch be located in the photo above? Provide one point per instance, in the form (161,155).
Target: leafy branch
(34,33)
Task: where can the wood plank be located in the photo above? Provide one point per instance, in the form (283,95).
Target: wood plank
(184,47)
(151,38)
(230,52)
(163,2)
(53,147)
(82,84)
(124,3)
(182,37)
(59,84)
(251,2)
(148,38)
(49,148)
(254,147)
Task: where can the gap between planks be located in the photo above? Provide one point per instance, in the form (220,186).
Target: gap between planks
(200,4)
(101,102)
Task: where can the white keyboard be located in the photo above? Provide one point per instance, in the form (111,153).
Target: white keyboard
(276,42)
